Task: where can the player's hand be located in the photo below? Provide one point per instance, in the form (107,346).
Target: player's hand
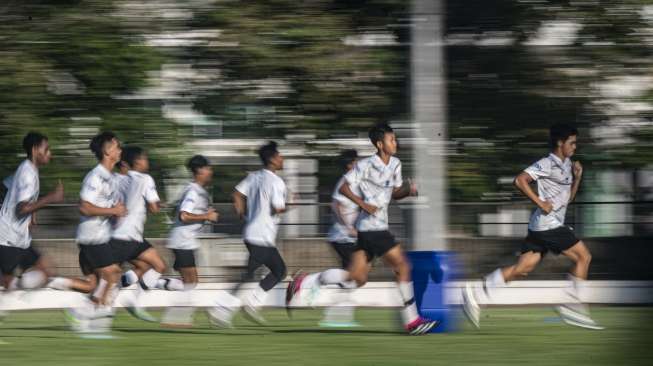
(119,210)
(370,209)
(57,195)
(546,206)
(577,169)
(212,215)
(412,188)
(353,232)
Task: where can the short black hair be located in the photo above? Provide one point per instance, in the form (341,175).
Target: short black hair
(347,157)
(97,143)
(267,152)
(378,131)
(197,162)
(561,132)
(31,140)
(130,154)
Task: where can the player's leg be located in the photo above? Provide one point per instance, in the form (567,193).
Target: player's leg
(180,314)
(37,268)
(575,312)
(473,297)
(413,323)
(271,258)
(341,313)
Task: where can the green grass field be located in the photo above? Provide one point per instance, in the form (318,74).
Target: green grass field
(520,335)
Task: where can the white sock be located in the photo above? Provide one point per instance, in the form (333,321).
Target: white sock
(349,285)
(170,284)
(130,277)
(495,279)
(409,310)
(32,279)
(13,285)
(99,289)
(335,276)
(60,283)
(150,279)
(256,298)
(576,284)
(311,280)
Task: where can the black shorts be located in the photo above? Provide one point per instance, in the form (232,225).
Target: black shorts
(125,251)
(184,258)
(556,240)
(345,251)
(12,258)
(94,256)
(375,243)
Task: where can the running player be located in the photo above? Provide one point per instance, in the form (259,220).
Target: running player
(259,199)
(99,204)
(558,179)
(17,216)
(191,214)
(127,242)
(378,179)
(342,237)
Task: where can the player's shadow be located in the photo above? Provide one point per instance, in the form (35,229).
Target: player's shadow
(336,331)
(206,331)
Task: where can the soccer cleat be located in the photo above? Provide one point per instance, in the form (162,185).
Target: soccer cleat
(220,316)
(470,306)
(293,289)
(141,314)
(253,314)
(577,319)
(421,326)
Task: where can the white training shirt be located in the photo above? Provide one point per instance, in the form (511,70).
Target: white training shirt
(22,187)
(99,188)
(375,181)
(554,179)
(139,190)
(265,191)
(349,211)
(194,200)
(122,182)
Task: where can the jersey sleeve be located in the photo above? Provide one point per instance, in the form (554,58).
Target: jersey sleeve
(90,191)
(26,187)
(150,194)
(279,193)
(244,185)
(397,177)
(189,201)
(354,176)
(539,169)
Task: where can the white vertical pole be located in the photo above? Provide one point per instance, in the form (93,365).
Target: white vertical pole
(429,112)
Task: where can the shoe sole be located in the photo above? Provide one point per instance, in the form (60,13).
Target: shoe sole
(576,319)
(424,328)
(471,308)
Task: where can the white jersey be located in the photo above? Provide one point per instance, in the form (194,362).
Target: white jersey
(265,191)
(375,181)
(22,187)
(194,200)
(99,188)
(340,231)
(122,182)
(139,190)
(554,179)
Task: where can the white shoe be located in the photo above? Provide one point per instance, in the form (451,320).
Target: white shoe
(577,319)
(178,317)
(471,307)
(220,316)
(253,314)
